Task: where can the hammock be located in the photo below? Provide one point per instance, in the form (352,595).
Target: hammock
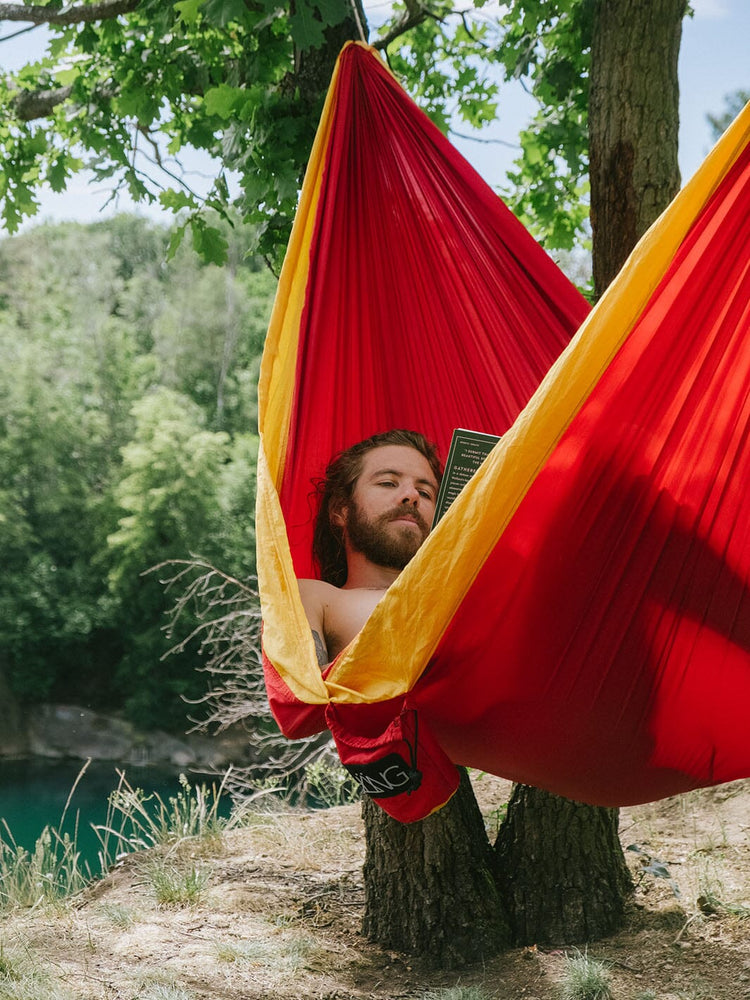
(580,618)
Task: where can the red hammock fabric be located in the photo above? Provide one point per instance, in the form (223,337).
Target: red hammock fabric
(596,640)
(620,663)
(428,304)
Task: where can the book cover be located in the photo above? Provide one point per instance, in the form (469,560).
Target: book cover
(467,452)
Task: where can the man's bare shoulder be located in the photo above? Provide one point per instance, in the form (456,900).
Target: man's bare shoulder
(316,590)
(336,614)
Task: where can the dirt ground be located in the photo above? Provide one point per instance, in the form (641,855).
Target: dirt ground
(281,910)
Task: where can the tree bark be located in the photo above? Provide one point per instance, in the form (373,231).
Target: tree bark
(429,886)
(560,869)
(633,124)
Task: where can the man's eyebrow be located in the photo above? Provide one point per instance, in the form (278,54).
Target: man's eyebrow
(396,472)
(385,472)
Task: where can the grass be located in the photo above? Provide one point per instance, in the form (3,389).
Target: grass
(53,871)
(120,916)
(585,978)
(329,784)
(24,979)
(175,886)
(162,991)
(277,956)
(136,821)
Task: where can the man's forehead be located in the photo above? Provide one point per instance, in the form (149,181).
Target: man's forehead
(399,459)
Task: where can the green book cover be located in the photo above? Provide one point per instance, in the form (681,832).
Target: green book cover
(467,452)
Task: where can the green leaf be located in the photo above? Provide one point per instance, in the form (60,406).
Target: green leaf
(332,11)
(65,77)
(306,27)
(57,174)
(209,242)
(221,12)
(36,144)
(178,234)
(175,201)
(222,100)
(188,11)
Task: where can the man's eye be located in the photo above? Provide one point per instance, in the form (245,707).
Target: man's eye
(386,482)
(426,494)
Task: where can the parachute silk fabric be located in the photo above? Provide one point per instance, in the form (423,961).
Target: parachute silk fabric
(580,618)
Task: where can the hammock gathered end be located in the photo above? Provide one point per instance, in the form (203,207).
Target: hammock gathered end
(580,619)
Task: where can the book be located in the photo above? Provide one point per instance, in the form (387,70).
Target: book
(467,452)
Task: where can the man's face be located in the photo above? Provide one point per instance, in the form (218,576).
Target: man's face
(392,505)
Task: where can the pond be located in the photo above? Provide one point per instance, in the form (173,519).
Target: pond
(33,794)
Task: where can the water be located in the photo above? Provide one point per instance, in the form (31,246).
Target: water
(33,794)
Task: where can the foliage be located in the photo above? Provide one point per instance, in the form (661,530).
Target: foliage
(443,62)
(127,95)
(549,44)
(131,96)
(114,455)
(734,103)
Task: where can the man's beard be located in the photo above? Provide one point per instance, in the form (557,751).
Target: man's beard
(392,549)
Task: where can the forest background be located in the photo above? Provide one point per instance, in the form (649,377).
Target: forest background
(127,413)
(127,417)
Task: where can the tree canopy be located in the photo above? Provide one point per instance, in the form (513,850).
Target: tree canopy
(125,87)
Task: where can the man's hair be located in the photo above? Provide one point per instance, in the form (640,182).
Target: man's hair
(336,490)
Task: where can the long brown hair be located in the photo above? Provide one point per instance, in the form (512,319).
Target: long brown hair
(336,490)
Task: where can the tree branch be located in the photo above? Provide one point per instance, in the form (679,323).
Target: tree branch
(414,14)
(29,105)
(37,14)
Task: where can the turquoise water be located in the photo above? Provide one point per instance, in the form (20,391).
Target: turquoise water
(33,794)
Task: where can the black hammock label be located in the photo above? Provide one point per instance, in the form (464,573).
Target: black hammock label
(386,777)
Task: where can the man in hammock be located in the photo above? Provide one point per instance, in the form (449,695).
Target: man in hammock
(377,502)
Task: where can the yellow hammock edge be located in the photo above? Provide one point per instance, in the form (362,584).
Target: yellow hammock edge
(286,633)
(381,662)
(421,601)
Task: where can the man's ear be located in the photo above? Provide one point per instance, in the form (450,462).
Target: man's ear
(338,515)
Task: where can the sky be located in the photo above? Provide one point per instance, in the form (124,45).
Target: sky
(714,62)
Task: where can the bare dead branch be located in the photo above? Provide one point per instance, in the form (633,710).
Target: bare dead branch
(74,14)
(227,634)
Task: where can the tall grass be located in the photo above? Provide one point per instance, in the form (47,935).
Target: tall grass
(54,869)
(137,821)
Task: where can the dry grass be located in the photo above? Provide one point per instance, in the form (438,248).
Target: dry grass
(280,918)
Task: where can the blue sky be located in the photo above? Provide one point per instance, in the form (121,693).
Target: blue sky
(714,62)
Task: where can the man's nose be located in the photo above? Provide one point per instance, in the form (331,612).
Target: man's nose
(410,495)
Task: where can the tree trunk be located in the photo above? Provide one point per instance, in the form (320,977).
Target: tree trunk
(313,67)
(429,887)
(560,869)
(633,124)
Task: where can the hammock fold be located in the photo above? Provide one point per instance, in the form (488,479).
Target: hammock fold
(580,618)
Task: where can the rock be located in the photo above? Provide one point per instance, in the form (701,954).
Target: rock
(71,731)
